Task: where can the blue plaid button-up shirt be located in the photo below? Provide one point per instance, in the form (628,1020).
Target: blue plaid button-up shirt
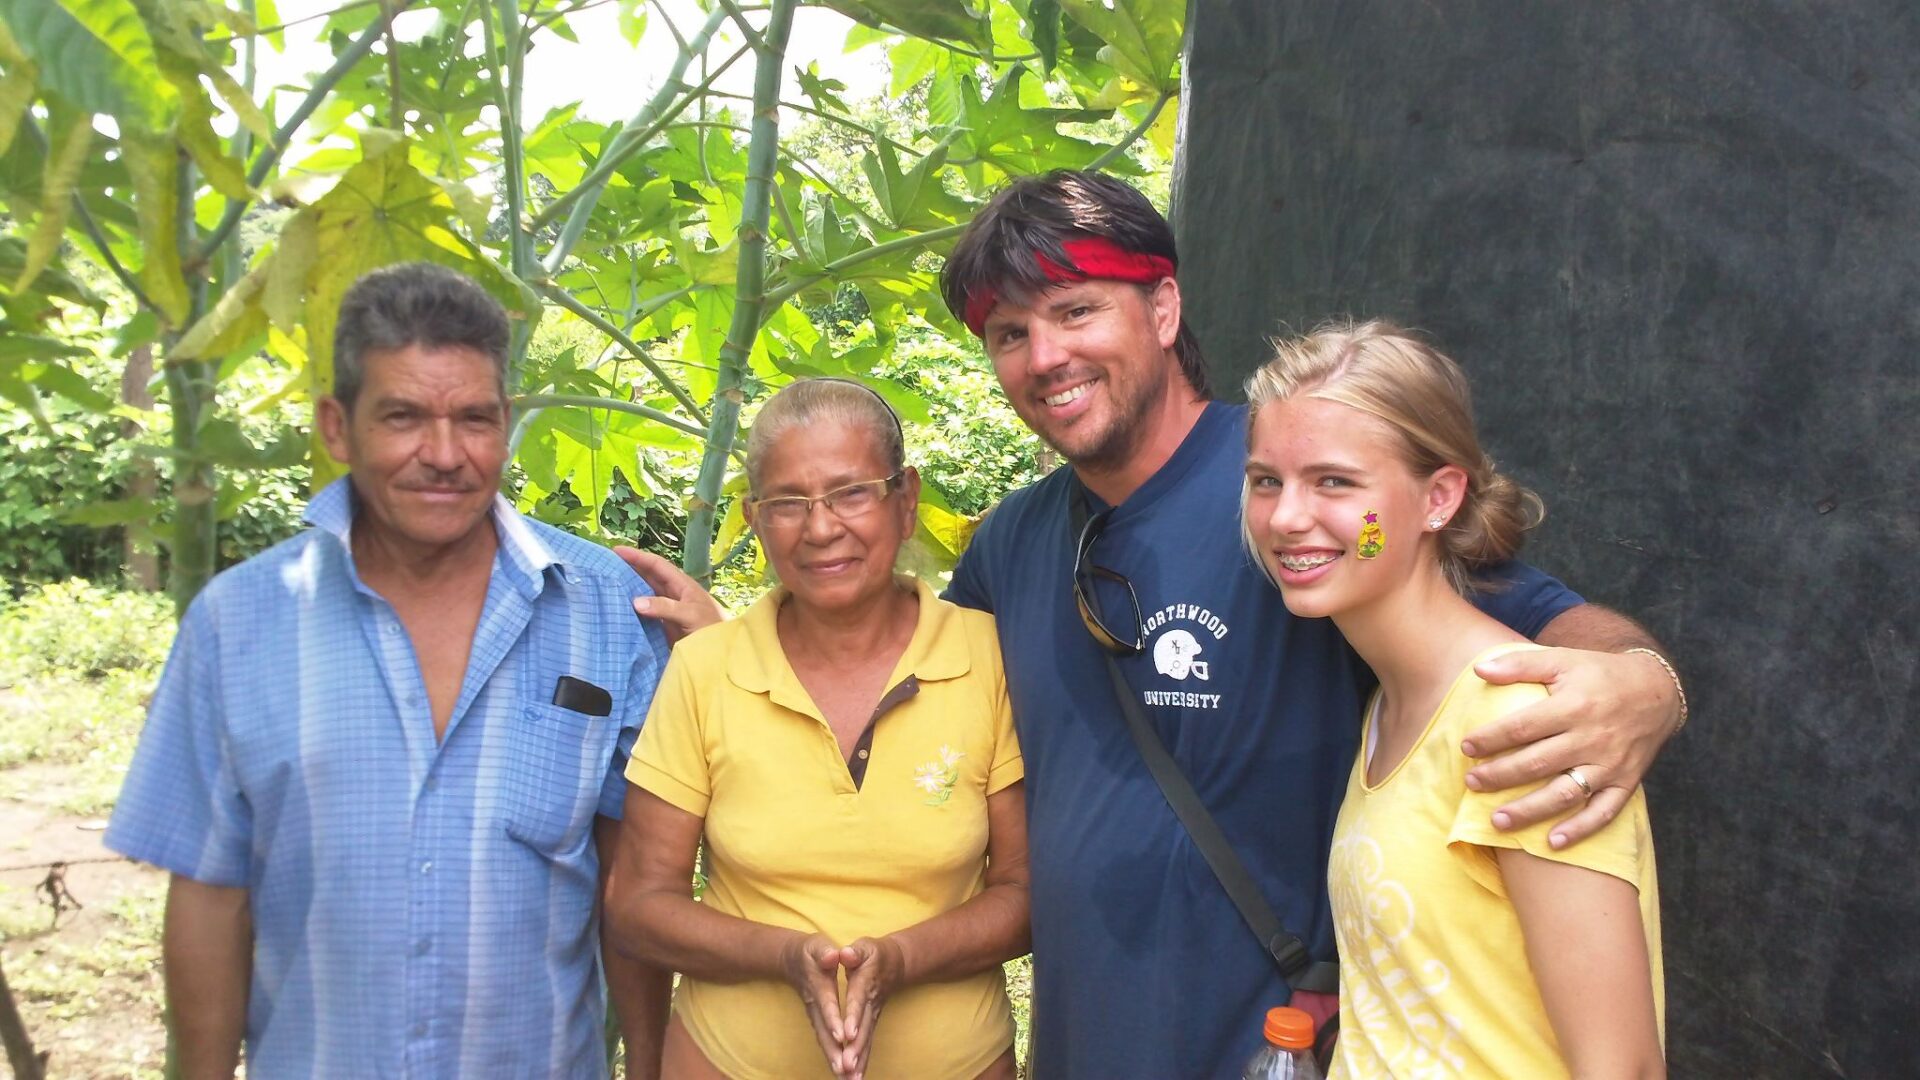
(420,909)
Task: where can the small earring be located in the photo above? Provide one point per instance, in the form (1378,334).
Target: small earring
(1436,523)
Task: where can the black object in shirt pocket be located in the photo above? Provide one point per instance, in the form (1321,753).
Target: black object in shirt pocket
(582,696)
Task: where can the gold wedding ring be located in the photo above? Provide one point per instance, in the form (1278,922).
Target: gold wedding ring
(1585,788)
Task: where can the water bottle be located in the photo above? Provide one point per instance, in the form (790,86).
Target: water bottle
(1288,1054)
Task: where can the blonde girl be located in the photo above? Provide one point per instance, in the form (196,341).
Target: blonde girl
(1464,951)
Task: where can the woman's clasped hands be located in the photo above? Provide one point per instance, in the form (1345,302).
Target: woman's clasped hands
(843,1014)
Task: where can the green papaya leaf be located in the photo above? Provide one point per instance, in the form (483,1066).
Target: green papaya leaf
(224,444)
(97,54)
(52,282)
(19,84)
(945,20)
(1043,28)
(16,348)
(633,20)
(915,198)
(21,393)
(824,93)
(232,497)
(72,134)
(911,60)
(68,384)
(195,131)
(1142,36)
(111,512)
(177,28)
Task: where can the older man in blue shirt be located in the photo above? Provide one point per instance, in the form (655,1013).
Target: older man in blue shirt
(384,754)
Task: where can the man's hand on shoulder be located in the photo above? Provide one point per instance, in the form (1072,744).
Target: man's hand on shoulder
(1607,715)
(678,602)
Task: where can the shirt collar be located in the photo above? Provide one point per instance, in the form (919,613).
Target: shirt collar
(524,556)
(938,649)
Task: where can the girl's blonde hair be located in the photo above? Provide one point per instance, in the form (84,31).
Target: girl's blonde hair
(1386,372)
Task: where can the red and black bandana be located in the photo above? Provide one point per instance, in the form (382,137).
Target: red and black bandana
(1093,257)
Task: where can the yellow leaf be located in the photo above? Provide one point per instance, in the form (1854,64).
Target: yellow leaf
(17,90)
(731,526)
(195,130)
(234,96)
(151,161)
(73,133)
(286,292)
(1165,127)
(235,319)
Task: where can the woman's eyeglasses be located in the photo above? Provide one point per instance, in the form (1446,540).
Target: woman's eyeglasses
(846,503)
(1086,594)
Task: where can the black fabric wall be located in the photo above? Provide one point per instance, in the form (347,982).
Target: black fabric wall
(1677,247)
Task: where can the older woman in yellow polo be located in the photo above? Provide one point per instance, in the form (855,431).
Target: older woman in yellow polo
(847,750)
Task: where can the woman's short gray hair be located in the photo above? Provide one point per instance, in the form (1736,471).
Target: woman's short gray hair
(826,400)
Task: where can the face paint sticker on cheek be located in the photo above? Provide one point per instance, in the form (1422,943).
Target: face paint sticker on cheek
(1372,540)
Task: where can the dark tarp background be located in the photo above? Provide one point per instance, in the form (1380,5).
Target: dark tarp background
(1677,248)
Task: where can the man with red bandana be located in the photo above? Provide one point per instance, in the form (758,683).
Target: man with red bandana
(1142,965)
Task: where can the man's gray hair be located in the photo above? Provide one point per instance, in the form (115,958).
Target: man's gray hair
(416,303)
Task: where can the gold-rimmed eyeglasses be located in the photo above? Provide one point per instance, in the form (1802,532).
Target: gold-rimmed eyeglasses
(846,503)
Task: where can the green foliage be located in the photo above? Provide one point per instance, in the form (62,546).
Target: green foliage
(82,629)
(96,54)
(713,255)
(973,448)
(42,475)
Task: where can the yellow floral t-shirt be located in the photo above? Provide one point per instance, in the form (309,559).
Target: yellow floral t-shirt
(1434,979)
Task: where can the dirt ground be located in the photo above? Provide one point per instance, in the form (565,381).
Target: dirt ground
(88,987)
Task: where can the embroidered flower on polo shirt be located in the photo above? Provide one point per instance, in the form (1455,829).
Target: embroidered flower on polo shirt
(937,778)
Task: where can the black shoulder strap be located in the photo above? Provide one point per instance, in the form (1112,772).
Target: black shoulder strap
(1297,966)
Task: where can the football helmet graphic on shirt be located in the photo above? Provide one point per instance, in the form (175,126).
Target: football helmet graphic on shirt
(1174,653)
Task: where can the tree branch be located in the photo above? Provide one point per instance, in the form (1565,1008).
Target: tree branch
(584,200)
(270,153)
(599,322)
(588,189)
(263,30)
(878,251)
(585,401)
(1113,152)
(740,19)
(843,121)
(396,116)
(749,291)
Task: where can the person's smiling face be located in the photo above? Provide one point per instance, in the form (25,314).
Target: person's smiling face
(1086,363)
(833,560)
(1315,470)
(425,441)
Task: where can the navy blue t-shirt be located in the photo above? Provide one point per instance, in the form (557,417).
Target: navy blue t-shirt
(1142,966)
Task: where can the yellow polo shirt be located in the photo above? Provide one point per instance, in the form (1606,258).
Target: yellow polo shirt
(792,840)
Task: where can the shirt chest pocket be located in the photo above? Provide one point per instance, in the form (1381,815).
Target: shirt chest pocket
(552,770)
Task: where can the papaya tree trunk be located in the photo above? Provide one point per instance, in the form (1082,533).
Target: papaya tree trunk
(196,487)
(143,565)
(723,416)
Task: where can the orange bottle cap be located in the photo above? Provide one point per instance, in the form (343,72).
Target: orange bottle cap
(1290,1028)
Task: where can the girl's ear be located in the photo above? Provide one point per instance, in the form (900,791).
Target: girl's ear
(1446,490)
